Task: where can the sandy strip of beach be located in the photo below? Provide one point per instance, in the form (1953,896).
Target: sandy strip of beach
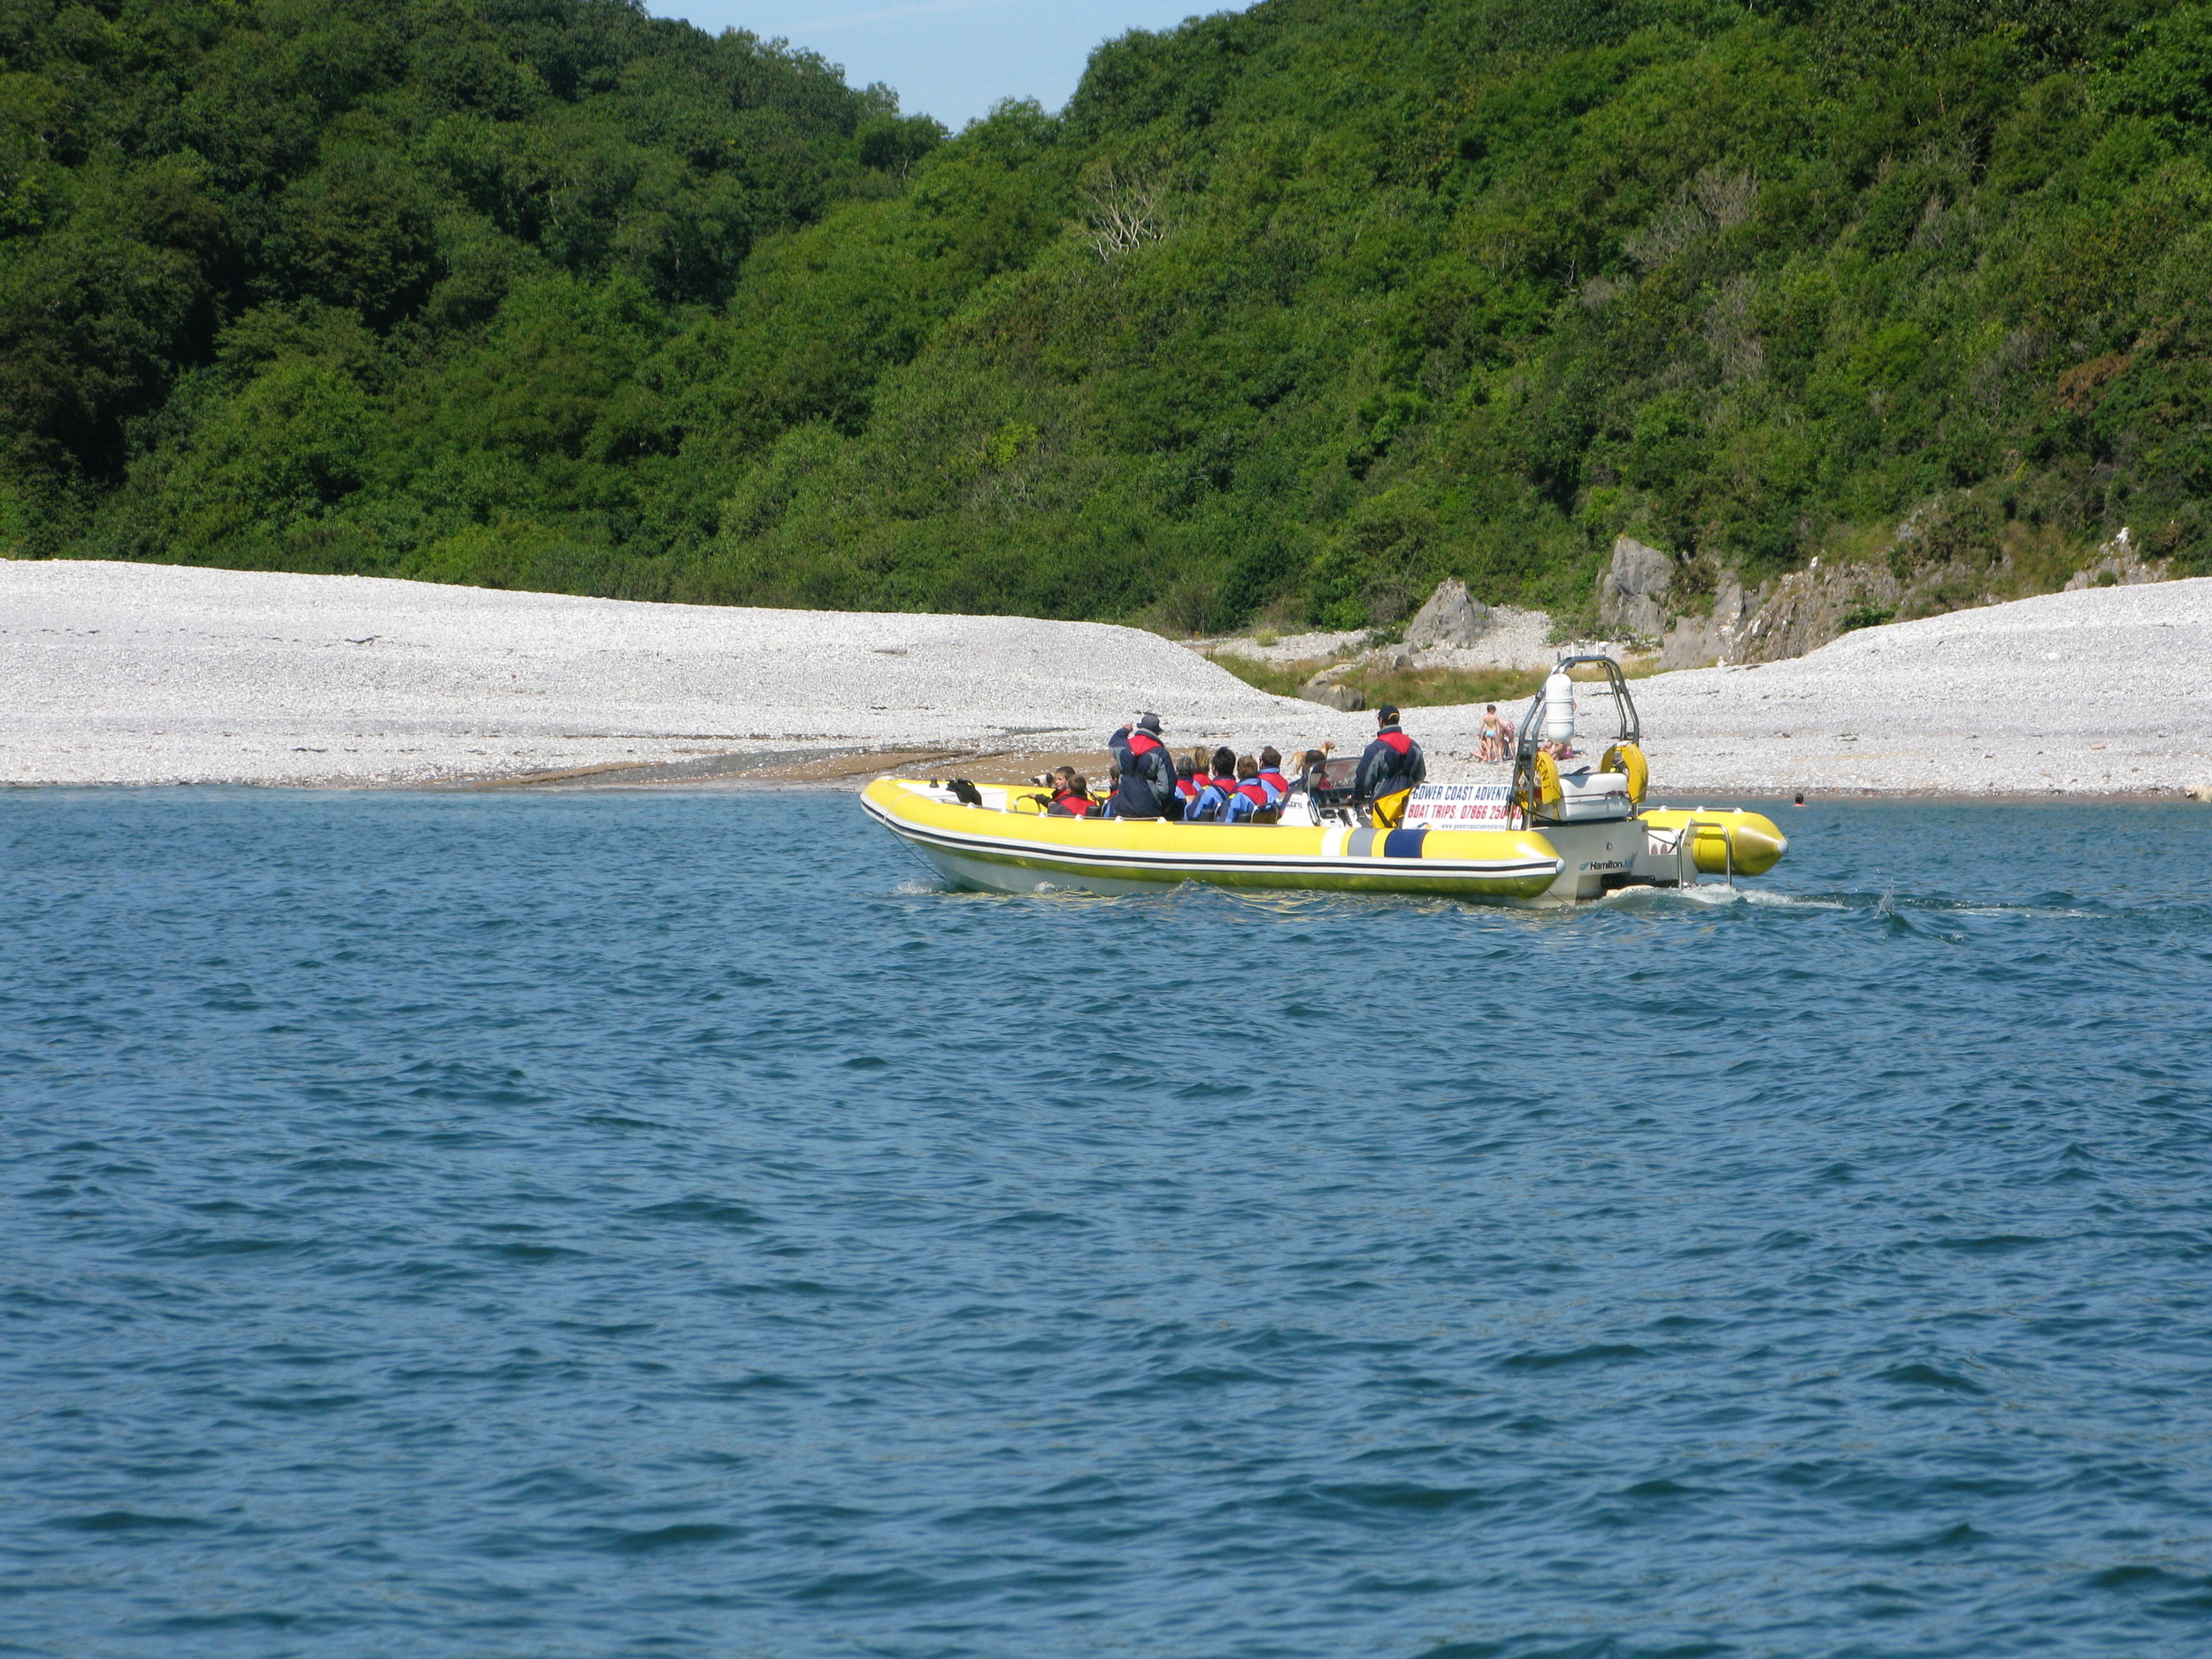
(115,673)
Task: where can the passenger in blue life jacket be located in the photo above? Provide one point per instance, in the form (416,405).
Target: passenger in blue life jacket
(1207,808)
(1272,775)
(1070,795)
(1390,770)
(1186,784)
(1147,788)
(1202,772)
(1250,801)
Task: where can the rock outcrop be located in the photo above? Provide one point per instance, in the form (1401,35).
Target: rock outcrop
(1633,592)
(1694,641)
(1449,619)
(1804,610)
(2118,565)
(1807,608)
(1324,690)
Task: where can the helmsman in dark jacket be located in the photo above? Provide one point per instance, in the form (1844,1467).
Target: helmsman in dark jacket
(1389,771)
(1148,772)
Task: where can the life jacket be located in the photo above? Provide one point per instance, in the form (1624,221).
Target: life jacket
(1399,744)
(1249,797)
(1073,804)
(1207,808)
(1140,788)
(1188,788)
(1276,784)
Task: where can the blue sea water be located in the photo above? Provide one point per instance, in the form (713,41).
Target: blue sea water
(668,1224)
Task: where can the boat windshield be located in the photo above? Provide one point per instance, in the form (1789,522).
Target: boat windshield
(1332,779)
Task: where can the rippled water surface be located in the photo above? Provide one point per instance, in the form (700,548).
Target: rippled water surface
(596,1224)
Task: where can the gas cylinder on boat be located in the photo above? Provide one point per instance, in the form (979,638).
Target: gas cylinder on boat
(1559,708)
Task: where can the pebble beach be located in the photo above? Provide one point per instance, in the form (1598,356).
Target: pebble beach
(117,673)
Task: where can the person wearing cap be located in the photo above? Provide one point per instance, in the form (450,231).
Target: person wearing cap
(1148,772)
(1390,770)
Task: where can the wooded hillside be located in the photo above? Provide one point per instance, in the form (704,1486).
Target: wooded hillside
(1289,314)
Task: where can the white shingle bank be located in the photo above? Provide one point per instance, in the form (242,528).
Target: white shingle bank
(142,674)
(137,673)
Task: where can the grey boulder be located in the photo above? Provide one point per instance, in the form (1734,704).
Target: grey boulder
(1324,689)
(1449,619)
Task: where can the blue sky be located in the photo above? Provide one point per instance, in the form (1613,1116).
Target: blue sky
(949,58)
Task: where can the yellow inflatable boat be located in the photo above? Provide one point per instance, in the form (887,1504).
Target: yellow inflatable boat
(1547,837)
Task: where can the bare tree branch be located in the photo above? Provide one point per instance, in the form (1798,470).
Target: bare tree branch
(1124,210)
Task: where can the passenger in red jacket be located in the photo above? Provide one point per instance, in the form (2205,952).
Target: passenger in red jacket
(1250,803)
(1070,795)
(1186,784)
(1207,807)
(1272,775)
(1201,773)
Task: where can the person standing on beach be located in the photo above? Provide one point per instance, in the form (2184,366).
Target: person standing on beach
(1147,771)
(1495,736)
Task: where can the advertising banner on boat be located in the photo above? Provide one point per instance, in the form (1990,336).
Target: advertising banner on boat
(1459,805)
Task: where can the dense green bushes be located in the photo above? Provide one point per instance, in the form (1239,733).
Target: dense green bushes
(262,263)
(1291,312)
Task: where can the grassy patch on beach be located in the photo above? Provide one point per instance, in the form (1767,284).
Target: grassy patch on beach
(1409,687)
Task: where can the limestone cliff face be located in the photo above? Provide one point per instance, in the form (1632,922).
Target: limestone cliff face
(1807,608)
(2118,565)
(1633,592)
(1693,641)
(1803,611)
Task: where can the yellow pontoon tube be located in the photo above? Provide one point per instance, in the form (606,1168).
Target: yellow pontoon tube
(1002,850)
(1721,842)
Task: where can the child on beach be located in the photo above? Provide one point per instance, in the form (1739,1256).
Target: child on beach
(1494,739)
